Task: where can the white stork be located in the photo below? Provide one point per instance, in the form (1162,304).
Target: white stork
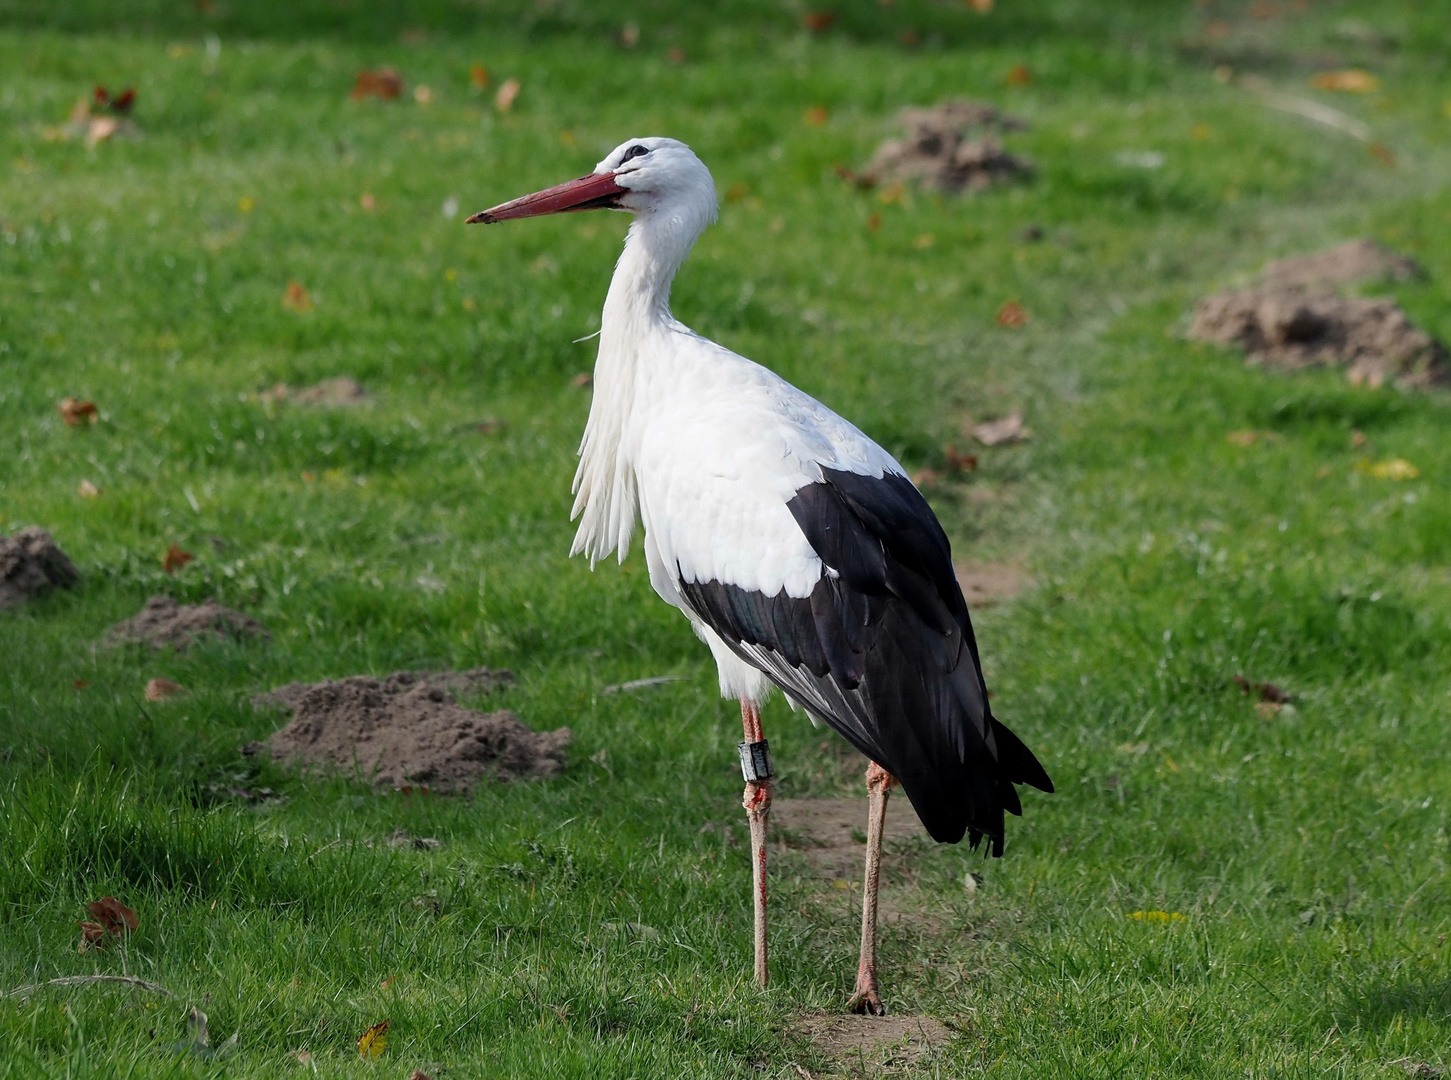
(797,547)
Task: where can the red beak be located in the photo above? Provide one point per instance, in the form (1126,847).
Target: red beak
(593,192)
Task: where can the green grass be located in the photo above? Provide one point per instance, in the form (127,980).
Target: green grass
(1307,853)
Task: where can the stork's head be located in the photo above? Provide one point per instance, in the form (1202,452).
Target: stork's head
(653,178)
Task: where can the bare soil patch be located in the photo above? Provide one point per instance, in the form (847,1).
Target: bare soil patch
(1289,329)
(863,1044)
(1344,264)
(985,584)
(31,565)
(334,392)
(408,729)
(952,146)
(165,622)
(832,833)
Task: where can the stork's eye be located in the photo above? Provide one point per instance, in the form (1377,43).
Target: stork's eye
(633,152)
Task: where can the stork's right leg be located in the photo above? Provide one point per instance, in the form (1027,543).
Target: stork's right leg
(756,768)
(879,786)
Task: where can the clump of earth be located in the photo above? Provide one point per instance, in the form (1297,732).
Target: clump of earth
(409,730)
(31,565)
(1294,318)
(165,622)
(952,147)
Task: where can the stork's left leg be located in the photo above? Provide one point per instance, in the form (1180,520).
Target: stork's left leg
(756,768)
(879,786)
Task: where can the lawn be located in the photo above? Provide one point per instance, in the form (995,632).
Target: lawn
(1215,889)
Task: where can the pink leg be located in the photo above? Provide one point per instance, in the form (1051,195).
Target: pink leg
(879,786)
(757,802)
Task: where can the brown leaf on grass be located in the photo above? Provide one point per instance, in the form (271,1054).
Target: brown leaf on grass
(1349,81)
(1382,153)
(303,1057)
(108,916)
(1267,709)
(815,116)
(161,689)
(374,1041)
(88,490)
(77,413)
(419,1074)
(367,201)
(927,479)
(982,7)
(1265,691)
(629,36)
(101,128)
(1008,429)
(1242,438)
(1357,439)
(175,558)
(296,298)
(508,92)
(959,462)
(1012,315)
(384,83)
(1018,75)
(817,21)
(478,76)
(120,104)
(583,379)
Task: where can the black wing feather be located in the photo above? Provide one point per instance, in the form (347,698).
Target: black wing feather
(883,652)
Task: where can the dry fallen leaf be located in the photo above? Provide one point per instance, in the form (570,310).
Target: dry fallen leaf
(423,95)
(1012,315)
(629,36)
(504,99)
(479,76)
(109,916)
(1357,439)
(385,83)
(175,558)
(78,413)
(959,462)
(926,479)
(1019,75)
(583,379)
(101,128)
(982,6)
(419,1074)
(924,241)
(817,21)
(367,202)
(296,298)
(93,935)
(1266,691)
(1008,429)
(1382,153)
(374,1041)
(1349,81)
(1267,709)
(161,689)
(1242,438)
(304,1057)
(815,116)
(88,490)
(121,103)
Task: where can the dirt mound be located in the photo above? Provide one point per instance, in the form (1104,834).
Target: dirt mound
(408,729)
(1291,328)
(164,621)
(31,566)
(949,147)
(872,1042)
(1344,264)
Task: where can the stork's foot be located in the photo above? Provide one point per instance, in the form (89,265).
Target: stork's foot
(866,1002)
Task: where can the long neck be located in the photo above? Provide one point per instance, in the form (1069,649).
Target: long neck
(636,315)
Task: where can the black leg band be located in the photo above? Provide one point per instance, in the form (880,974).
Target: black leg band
(755,761)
